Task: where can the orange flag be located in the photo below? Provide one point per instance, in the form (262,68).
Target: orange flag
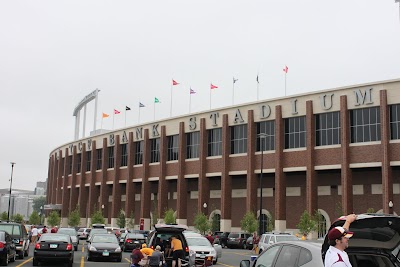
(105,115)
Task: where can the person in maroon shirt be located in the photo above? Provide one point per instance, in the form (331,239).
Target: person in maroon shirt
(136,256)
(210,238)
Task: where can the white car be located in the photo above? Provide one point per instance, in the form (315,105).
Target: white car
(203,247)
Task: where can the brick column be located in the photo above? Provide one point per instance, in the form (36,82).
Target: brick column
(182,197)
(145,200)
(203,181)
(50,179)
(92,201)
(311,178)
(346,174)
(130,192)
(251,182)
(103,186)
(162,193)
(59,177)
(226,180)
(387,186)
(65,193)
(280,176)
(53,187)
(83,196)
(73,201)
(116,189)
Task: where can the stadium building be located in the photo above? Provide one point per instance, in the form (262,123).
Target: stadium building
(336,151)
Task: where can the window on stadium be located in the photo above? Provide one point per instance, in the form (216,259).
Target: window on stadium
(124,154)
(239,139)
(365,125)
(139,152)
(99,156)
(70,162)
(192,145)
(295,132)
(155,150)
(78,163)
(214,142)
(88,160)
(394,121)
(327,128)
(173,147)
(265,135)
(110,157)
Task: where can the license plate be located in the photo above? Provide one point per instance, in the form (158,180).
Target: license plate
(202,256)
(53,245)
(106,253)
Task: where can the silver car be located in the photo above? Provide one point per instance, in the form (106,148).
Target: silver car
(203,248)
(269,239)
(72,233)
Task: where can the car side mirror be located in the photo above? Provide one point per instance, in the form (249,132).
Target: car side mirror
(245,263)
(271,242)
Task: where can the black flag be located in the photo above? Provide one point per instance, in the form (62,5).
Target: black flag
(127,108)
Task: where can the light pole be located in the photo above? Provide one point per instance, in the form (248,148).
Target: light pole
(261,136)
(41,215)
(9,199)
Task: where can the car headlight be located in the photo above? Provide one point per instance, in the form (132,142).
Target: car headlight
(92,248)
(192,252)
(118,249)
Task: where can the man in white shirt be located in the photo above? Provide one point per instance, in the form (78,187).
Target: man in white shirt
(339,241)
(34,232)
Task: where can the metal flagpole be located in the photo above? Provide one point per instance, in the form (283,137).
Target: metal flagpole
(170,108)
(190,100)
(139,114)
(95,109)
(285,83)
(154,111)
(258,83)
(233,91)
(125,117)
(113,118)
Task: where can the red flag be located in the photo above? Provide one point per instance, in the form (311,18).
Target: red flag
(213,86)
(192,91)
(116,111)
(174,82)
(286,69)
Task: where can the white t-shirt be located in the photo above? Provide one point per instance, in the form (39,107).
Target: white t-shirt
(34,231)
(336,258)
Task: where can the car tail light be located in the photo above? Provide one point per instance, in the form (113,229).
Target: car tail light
(37,246)
(128,240)
(187,249)
(69,247)
(2,244)
(152,247)
(21,242)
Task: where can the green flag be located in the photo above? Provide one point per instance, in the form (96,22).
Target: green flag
(156,100)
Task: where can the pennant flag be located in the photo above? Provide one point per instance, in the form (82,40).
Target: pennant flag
(116,111)
(286,69)
(174,82)
(213,86)
(192,91)
(234,80)
(257,79)
(156,100)
(105,115)
(141,105)
(127,108)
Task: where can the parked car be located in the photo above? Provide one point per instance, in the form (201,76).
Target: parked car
(289,253)
(221,238)
(19,235)
(72,233)
(121,239)
(8,251)
(83,233)
(271,238)
(105,247)
(96,231)
(161,235)
(132,239)
(237,239)
(249,242)
(53,247)
(203,248)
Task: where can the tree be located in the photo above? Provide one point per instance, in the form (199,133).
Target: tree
(370,210)
(74,218)
(39,202)
(54,218)
(319,223)
(201,223)
(270,225)
(18,218)
(215,226)
(4,216)
(155,212)
(131,221)
(121,220)
(169,217)
(249,222)
(97,217)
(34,218)
(306,224)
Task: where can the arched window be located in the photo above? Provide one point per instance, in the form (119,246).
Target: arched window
(321,225)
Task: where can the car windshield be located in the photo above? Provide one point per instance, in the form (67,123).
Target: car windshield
(81,230)
(234,235)
(70,232)
(198,242)
(135,236)
(98,231)
(104,239)
(54,237)
(285,238)
(12,229)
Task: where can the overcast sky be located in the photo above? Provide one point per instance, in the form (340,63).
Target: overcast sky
(54,53)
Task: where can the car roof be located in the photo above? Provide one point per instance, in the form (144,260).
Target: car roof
(370,231)
(170,227)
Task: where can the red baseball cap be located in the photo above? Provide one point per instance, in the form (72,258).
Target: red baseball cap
(338,232)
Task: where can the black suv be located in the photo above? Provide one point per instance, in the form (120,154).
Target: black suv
(237,239)
(161,236)
(20,236)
